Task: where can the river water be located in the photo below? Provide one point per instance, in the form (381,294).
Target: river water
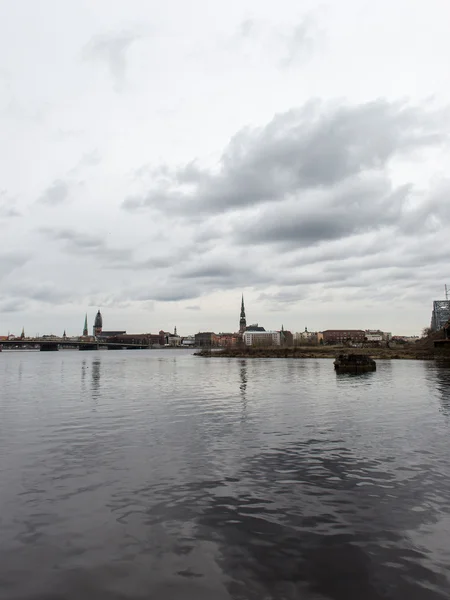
(158,474)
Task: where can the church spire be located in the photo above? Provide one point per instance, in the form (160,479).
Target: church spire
(85,328)
(242,320)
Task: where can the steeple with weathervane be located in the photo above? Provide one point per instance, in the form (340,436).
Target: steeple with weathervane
(242,320)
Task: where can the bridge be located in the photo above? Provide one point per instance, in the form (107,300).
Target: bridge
(53,345)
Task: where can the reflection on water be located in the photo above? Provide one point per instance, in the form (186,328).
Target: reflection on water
(438,375)
(95,373)
(330,487)
(243,376)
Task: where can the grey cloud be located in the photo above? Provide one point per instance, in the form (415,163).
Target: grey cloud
(316,146)
(112,49)
(90,159)
(246,28)
(8,208)
(57,193)
(9,262)
(48,293)
(171,291)
(300,42)
(79,243)
(355,207)
(192,307)
(12,305)
(211,273)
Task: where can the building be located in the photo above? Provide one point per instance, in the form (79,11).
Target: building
(206,339)
(286,337)
(262,338)
(169,339)
(98,324)
(242,319)
(142,339)
(110,334)
(373,335)
(226,340)
(254,327)
(188,341)
(341,336)
(306,337)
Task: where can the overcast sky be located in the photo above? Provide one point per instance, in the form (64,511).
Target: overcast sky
(158,159)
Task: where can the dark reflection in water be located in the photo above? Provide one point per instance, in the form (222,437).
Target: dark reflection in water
(208,478)
(95,374)
(243,375)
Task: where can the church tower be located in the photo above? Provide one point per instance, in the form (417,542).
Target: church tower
(242,320)
(98,324)
(85,328)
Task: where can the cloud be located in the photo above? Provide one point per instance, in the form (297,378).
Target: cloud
(46,292)
(86,244)
(11,261)
(12,305)
(300,42)
(193,307)
(112,49)
(355,206)
(318,145)
(8,208)
(57,193)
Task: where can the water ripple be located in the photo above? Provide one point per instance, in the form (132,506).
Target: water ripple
(156,474)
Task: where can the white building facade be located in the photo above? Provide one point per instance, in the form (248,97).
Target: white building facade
(262,338)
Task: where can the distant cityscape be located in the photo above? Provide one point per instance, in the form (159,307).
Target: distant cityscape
(248,335)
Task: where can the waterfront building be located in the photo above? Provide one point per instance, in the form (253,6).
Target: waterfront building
(262,338)
(341,336)
(169,339)
(286,337)
(206,339)
(110,334)
(225,340)
(143,339)
(373,335)
(98,324)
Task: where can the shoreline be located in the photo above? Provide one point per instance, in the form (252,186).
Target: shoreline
(329,352)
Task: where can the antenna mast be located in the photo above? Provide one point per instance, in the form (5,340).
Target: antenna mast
(446,292)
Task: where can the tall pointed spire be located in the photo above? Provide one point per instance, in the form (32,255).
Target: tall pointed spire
(85,328)
(242,320)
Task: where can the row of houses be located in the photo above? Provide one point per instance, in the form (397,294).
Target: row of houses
(258,336)
(252,336)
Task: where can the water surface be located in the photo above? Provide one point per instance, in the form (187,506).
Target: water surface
(157,474)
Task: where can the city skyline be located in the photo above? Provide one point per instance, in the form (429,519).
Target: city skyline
(279,151)
(97,324)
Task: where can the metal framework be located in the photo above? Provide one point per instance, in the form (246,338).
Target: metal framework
(440,314)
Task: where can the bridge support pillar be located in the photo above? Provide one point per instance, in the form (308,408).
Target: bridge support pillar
(88,347)
(49,348)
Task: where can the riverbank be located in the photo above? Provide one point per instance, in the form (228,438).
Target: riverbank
(409,353)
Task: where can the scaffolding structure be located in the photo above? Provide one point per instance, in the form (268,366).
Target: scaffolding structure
(440,314)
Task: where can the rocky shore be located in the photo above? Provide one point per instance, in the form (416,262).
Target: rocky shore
(411,352)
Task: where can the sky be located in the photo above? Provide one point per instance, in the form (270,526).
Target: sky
(157,160)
